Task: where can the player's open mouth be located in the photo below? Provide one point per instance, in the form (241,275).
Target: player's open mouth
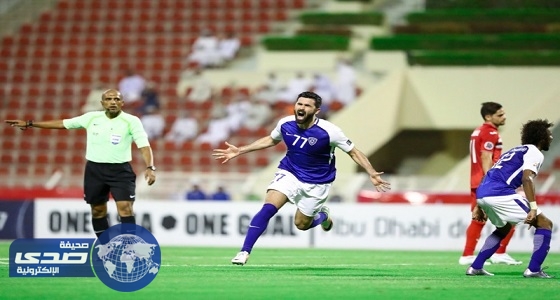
(301,113)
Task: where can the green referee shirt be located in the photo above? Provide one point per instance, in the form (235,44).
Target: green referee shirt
(109,140)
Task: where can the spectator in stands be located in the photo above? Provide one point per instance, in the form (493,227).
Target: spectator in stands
(107,171)
(153,122)
(258,115)
(201,87)
(345,82)
(183,129)
(218,129)
(204,50)
(294,87)
(228,47)
(271,90)
(131,87)
(221,194)
(323,86)
(237,111)
(150,98)
(305,174)
(93,99)
(195,193)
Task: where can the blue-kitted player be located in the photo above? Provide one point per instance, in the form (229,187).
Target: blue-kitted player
(305,174)
(497,198)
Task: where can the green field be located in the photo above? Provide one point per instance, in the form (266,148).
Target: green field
(206,273)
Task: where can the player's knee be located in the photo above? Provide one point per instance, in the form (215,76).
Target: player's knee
(98,211)
(301,225)
(125,208)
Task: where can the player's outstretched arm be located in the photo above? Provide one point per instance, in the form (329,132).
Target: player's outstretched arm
(233,151)
(54,124)
(374,176)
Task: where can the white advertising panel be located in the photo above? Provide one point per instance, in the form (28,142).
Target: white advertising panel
(357,226)
(173,223)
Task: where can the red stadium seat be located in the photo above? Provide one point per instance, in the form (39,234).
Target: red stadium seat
(23,158)
(42,159)
(8,145)
(6,159)
(556,164)
(60,159)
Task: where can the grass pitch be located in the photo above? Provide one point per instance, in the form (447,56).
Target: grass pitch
(206,273)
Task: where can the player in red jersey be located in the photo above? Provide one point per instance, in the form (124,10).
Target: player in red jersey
(485,149)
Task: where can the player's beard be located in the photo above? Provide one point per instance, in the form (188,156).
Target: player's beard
(305,119)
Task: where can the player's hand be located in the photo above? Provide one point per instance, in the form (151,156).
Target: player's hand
(531,218)
(380,184)
(150,176)
(17,123)
(226,154)
(478,214)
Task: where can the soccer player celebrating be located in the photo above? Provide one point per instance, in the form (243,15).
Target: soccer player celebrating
(306,172)
(497,199)
(485,149)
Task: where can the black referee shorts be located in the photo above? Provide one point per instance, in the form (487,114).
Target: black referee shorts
(100,179)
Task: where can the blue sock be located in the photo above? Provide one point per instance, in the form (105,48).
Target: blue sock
(318,219)
(258,226)
(490,247)
(541,245)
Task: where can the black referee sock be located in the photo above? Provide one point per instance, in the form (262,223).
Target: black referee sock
(130,219)
(99,226)
(128,225)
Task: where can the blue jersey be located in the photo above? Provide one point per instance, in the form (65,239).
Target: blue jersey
(505,175)
(310,156)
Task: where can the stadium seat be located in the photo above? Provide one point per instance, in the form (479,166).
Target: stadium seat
(7,159)
(59,159)
(42,159)
(23,158)
(8,145)
(186,160)
(556,163)
(262,161)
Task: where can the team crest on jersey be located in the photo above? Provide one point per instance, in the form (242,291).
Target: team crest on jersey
(488,145)
(348,142)
(312,141)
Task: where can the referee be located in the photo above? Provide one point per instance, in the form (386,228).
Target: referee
(110,134)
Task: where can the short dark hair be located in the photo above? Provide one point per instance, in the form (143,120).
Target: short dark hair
(535,131)
(311,95)
(489,108)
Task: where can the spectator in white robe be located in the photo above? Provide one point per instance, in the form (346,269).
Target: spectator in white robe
(228,46)
(131,86)
(204,50)
(258,115)
(184,129)
(294,87)
(345,82)
(153,123)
